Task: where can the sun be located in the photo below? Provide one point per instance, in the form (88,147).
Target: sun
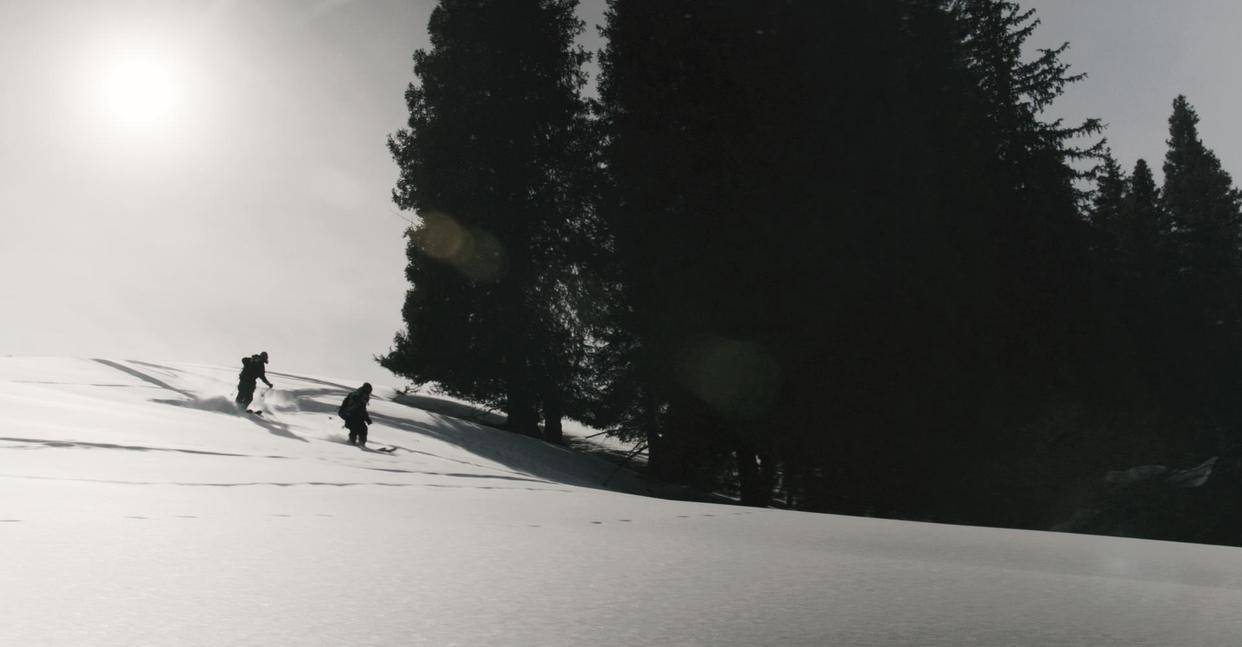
(141,90)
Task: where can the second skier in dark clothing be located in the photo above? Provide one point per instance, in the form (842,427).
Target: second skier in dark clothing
(252,369)
(354,412)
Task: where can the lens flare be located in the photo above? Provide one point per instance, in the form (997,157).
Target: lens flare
(475,253)
(737,378)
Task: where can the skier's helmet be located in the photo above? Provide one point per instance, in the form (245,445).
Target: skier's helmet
(263,356)
(366,387)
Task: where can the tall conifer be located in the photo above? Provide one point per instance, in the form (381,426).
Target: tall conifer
(1108,202)
(1204,207)
(493,162)
(1206,223)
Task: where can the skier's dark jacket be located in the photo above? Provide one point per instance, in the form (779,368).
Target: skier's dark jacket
(355,406)
(253,369)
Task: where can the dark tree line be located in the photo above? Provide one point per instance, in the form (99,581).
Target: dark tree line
(1173,284)
(829,255)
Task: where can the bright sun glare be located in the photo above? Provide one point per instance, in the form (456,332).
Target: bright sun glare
(141,91)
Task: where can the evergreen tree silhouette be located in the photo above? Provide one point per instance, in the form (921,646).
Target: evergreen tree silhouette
(891,245)
(1203,208)
(495,161)
(1109,202)
(1144,228)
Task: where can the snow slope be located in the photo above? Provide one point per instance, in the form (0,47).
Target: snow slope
(137,509)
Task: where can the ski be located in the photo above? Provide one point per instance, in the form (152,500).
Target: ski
(375,448)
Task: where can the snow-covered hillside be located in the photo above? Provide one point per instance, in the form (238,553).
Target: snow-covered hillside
(137,508)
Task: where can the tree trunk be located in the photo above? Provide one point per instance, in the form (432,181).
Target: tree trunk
(523,417)
(523,421)
(754,478)
(552,431)
(651,428)
(767,477)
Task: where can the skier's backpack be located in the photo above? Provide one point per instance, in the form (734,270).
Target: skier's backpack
(346,407)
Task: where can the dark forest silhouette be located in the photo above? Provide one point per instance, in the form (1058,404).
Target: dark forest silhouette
(826,255)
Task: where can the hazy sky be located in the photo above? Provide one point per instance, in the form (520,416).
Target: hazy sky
(1139,55)
(196,180)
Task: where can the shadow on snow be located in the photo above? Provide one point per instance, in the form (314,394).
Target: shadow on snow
(192,401)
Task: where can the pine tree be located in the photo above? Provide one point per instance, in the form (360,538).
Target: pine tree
(1143,230)
(1144,239)
(1204,207)
(1040,233)
(1133,267)
(1206,223)
(1107,204)
(494,161)
(712,240)
(993,35)
(896,238)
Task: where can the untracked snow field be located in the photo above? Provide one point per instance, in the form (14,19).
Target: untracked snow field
(138,508)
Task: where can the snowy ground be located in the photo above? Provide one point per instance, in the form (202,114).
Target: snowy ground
(135,509)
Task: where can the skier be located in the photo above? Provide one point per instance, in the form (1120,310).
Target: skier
(252,369)
(354,412)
